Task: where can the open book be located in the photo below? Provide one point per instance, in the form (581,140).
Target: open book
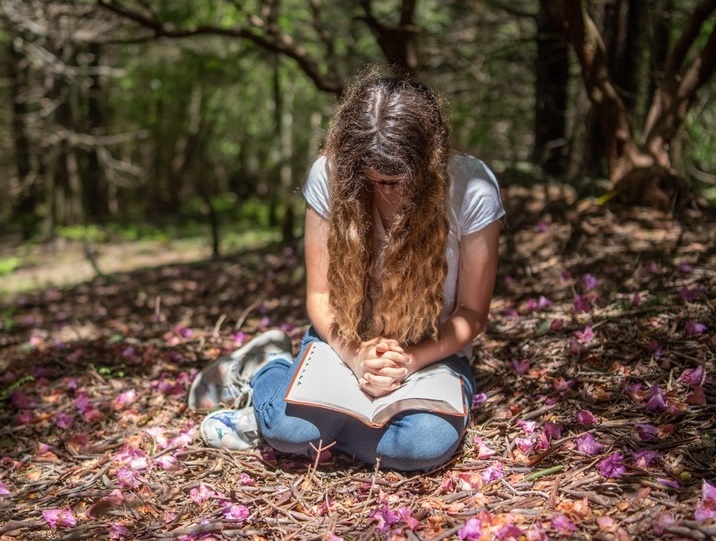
(323,380)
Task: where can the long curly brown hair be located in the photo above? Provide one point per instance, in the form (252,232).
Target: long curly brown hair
(395,126)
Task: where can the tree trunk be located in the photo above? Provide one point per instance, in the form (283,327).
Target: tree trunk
(24,206)
(94,189)
(623,28)
(640,171)
(398,43)
(552,78)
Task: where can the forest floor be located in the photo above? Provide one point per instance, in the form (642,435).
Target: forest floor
(597,418)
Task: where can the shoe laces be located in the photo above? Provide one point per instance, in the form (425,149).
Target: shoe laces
(238,393)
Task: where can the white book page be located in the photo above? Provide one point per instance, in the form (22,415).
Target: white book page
(324,380)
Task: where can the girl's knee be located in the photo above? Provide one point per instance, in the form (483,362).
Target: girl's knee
(425,443)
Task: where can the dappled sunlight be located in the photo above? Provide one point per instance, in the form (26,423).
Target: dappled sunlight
(594,413)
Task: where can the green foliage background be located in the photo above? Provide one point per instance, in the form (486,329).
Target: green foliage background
(254,120)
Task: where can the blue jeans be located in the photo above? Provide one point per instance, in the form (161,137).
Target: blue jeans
(414,440)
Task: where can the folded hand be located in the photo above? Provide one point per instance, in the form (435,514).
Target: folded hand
(384,366)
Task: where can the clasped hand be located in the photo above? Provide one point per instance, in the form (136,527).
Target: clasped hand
(382,366)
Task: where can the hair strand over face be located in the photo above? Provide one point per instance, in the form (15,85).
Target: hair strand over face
(396,127)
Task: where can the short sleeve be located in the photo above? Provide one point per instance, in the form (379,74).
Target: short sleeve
(315,189)
(481,204)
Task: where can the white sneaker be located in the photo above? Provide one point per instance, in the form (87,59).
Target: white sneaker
(226,380)
(230,429)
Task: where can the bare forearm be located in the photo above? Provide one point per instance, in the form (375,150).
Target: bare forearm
(459,330)
(319,314)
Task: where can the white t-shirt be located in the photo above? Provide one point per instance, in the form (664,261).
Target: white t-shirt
(474,203)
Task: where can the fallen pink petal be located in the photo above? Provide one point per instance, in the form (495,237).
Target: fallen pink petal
(236,512)
(118,531)
(125,399)
(671,483)
(646,432)
(662,522)
(589,282)
(407,518)
(521,367)
(128,478)
(563,525)
(612,466)
(21,400)
(384,517)
(562,385)
(706,506)
(693,377)
(529,427)
(694,328)
(201,494)
(478,399)
(166,462)
(581,304)
(697,397)
(588,445)
(586,418)
(656,399)
(471,531)
(59,518)
(536,533)
(553,430)
(643,458)
(585,336)
(483,450)
(684,268)
(492,473)
(62,420)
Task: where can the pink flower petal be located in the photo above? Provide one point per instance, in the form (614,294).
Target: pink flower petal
(588,445)
(411,522)
(694,328)
(706,506)
(63,420)
(478,399)
(589,282)
(57,518)
(563,525)
(127,478)
(693,376)
(118,531)
(201,494)
(697,397)
(492,472)
(384,517)
(521,367)
(662,522)
(483,451)
(586,418)
(585,336)
(236,512)
(644,457)
(646,432)
(612,466)
(471,531)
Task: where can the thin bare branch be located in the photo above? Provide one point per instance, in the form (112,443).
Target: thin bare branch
(278,43)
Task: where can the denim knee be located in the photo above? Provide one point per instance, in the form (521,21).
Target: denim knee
(420,441)
(285,433)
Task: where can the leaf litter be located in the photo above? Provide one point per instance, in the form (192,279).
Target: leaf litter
(596,417)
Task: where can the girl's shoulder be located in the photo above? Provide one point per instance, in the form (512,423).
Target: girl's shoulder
(315,188)
(474,193)
(471,177)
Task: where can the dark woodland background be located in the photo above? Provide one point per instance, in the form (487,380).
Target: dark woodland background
(151,157)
